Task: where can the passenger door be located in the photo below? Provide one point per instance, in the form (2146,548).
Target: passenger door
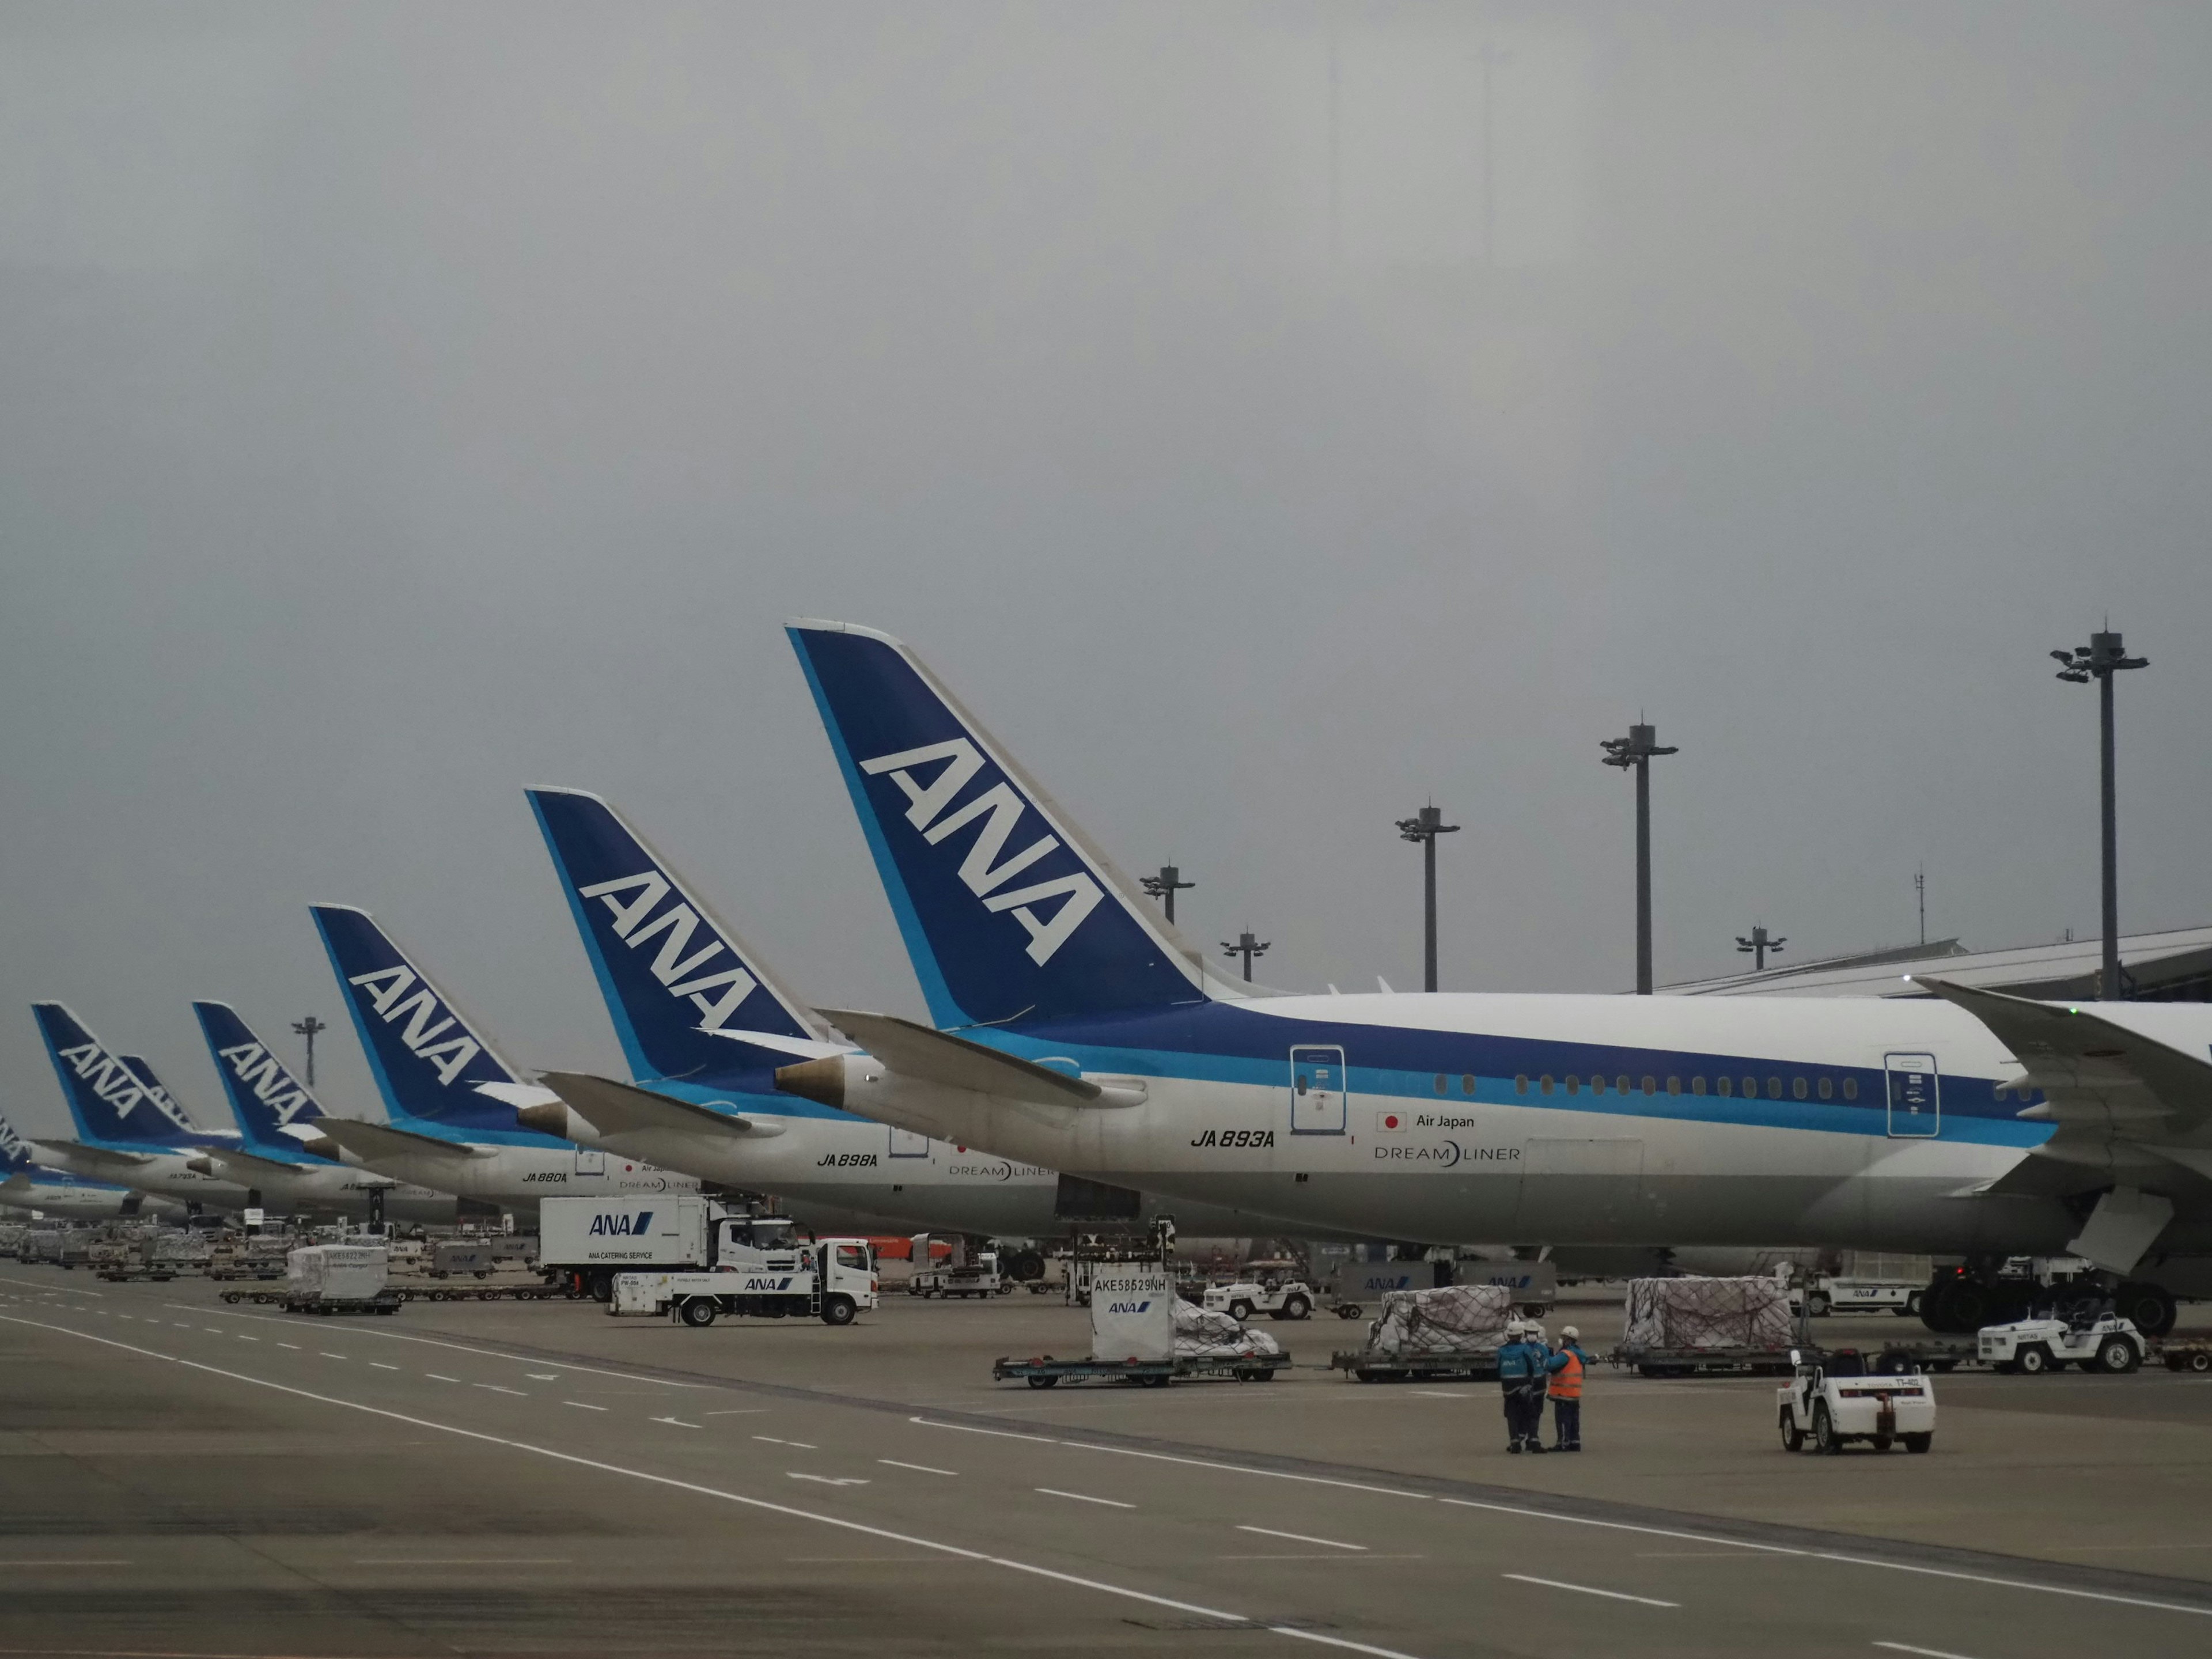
(904,1143)
(1317,1091)
(1916,1097)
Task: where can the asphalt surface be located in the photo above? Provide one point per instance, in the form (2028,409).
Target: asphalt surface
(182,1478)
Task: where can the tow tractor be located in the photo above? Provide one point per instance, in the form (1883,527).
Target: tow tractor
(2033,1347)
(1278,1298)
(1832,1400)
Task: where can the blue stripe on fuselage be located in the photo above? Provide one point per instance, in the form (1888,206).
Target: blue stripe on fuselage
(1222,1043)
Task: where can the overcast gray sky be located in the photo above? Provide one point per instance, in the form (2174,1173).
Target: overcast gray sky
(1265,415)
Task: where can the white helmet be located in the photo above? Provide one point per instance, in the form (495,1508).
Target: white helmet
(1570,1334)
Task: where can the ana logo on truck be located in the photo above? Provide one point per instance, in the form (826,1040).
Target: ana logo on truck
(1128,1307)
(622,1226)
(756,1283)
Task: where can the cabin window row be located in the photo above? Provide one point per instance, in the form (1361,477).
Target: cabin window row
(1725,1087)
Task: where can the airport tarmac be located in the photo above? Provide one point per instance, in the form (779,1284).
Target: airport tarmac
(186,1477)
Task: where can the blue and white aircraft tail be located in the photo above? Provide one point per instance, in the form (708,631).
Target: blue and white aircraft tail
(1007,910)
(114,1100)
(690,1001)
(432,1065)
(264,1096)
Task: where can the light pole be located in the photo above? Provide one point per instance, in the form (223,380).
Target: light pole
(2099,660)
(1634,753)
(1758,945)
(309,1028)
(1165,886)
(1247,947)
(1424,827)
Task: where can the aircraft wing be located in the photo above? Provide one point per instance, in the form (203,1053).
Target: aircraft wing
(2098,1075)
(932,1056)
(614,1109)
(121,1163)
(374,1140)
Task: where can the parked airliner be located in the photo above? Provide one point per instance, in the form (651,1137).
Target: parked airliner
(282,1154)
(704,1024)
(26,1185)
(1089,1038)
(451,1097)
(130,1129)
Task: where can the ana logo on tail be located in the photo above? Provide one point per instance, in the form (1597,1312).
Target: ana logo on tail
(116,1084)
(997,812)
(14,1151)
(385,992)
(261,1072)
(635,923)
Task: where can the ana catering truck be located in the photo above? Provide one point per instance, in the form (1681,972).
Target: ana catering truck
(584,1242)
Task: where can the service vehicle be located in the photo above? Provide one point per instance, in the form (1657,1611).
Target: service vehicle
(584,1242)
(831,1279)
(2103,1342)
(1832,1399)
(1828,1295)
(980,1278)
(2194,1355)
(1278,1298)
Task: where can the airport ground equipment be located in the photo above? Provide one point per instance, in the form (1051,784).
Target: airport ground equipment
(335,1278)
(2033,1347)
(980,1279)
(1278,1298)
(1454,1331)
(1356,1285)
(585,1242)
(1832,1399)
(1143,1332)
(158,1256)
(2193,1355)
(260,1257)
(1687,1327)
(1833,1295)
(831,1279)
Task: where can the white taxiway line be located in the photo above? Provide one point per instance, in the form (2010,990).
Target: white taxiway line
(581,1407)
(1925,1653)
(923,1468)
(458,1347)
(1530,1513)
(1588,1589)
(1337,1642)
(1085,1497)
(1302,1538)
(789,1511)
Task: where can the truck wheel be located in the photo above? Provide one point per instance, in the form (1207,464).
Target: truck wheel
(2034,1360)
(1347,1310)
(1816,1304)
(603,1286)
(838,1309)
(1297,1307)
(2116,1356)
(1824,1430)
(1912,1308)
(2200,1361)
(1793,1438)
(1918,1442)
(1042,1382)
(699,1312)
(1240,1310)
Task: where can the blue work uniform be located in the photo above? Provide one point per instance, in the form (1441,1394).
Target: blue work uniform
(1521,1380)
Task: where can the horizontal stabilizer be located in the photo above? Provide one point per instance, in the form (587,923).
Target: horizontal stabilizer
(375,1141)
(252,1166)
(917,1052)
(77,1152)
(615,1108)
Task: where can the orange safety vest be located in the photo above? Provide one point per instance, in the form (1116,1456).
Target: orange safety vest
(1567,1382)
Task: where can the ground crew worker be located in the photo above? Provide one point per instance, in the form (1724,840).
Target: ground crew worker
(1566,1366)
(1521,1381)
